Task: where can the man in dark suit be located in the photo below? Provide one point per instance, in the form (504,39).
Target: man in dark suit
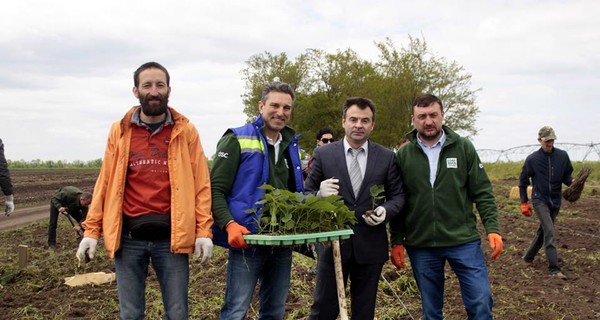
(355,163)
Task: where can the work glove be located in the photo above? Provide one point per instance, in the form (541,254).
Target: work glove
(526,209)
(204,246)
(328,188)
(376,218)
(235,234)
(397,256)
(495,244)
(87,244)
(9,205)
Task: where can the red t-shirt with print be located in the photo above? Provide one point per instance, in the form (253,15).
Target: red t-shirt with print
(147,189)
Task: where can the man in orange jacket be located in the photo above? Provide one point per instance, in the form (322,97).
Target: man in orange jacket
(152,199)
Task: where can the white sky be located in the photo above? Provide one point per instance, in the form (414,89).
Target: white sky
(66,66)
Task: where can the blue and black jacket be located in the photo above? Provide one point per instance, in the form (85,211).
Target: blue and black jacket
(548,171)
(244,162)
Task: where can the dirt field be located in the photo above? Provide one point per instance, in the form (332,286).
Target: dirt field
(520,291)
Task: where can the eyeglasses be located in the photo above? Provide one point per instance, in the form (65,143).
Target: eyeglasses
(327,140)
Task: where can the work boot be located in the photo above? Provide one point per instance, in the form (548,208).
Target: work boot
(559,275)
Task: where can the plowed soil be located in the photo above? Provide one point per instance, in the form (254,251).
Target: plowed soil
(521,291)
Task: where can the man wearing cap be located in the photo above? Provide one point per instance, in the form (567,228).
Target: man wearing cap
(546,170)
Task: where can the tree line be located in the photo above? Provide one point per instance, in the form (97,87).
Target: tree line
(50,164)
(323,81)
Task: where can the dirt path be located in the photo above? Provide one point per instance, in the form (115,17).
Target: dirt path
(23,217)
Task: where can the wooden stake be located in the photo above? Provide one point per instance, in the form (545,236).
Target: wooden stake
(339,279)
(23,256)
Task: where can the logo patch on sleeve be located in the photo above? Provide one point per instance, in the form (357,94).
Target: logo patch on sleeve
(222,154)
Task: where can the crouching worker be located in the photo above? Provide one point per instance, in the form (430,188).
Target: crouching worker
(152,199)
(70,201)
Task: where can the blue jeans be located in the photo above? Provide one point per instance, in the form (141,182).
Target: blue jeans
(468,263)
(545,236)
(269,265)
(131,268)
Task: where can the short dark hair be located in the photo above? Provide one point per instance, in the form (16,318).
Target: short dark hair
(277,86)
(86,196)
(426,100)
(323,131)
(149,65)
(361,103)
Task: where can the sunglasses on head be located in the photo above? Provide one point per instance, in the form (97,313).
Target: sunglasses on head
(327,140)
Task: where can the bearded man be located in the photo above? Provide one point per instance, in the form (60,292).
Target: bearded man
(152,199)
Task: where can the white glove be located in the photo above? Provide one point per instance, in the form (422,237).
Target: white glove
(376,218)
(87,244)
(204,246)
(328,188)
(9,205)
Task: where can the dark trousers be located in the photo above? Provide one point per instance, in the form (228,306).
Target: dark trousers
(364,279)
(54,222)
(544,237)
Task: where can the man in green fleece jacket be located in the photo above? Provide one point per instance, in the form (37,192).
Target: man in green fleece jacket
(443,178)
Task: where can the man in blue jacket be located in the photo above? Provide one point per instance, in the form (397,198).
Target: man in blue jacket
(265,151)
(547,169)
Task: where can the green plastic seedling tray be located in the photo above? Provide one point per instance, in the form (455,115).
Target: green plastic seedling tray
(288,240)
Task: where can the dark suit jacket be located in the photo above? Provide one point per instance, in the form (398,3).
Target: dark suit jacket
(368,244)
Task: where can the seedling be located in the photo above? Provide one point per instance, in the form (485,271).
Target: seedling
(285,212)
(377,193)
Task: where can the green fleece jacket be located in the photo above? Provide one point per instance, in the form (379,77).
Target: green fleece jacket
(443,215)
(68,197)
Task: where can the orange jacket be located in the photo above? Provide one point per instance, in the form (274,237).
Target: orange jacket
(190,187)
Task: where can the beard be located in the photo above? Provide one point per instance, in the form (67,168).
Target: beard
(430,136)
(154,106)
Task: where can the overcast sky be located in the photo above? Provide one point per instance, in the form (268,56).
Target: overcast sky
(66,66)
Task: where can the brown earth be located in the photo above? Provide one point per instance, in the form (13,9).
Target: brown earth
(521,291)
(33,190)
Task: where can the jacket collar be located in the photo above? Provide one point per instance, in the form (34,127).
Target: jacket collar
(287,133)
(172,115)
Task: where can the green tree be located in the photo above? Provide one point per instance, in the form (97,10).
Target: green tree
(334,77)
(266,67)
(415,70)
(323,81)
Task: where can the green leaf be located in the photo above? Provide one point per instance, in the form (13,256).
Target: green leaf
(286,217)
(287,212)
(290,225)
